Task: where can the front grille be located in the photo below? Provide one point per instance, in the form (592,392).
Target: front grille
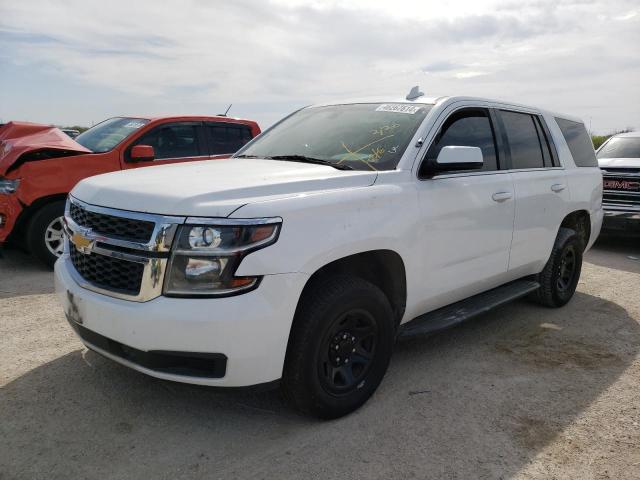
(109,273)
(112,226)
(622,189)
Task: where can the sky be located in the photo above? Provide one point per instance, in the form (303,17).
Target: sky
(78,62)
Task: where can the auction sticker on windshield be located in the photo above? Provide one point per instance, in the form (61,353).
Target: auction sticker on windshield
(135,124)
(398,108)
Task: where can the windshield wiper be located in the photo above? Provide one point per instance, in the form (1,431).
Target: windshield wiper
(316,161)
(247,156)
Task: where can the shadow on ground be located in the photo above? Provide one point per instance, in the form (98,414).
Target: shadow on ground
(477,401)
(616,251)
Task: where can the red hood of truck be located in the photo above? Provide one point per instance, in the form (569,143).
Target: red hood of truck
(18,138)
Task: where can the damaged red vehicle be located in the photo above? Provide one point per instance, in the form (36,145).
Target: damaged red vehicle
(40,164)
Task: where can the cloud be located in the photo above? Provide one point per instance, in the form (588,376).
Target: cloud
(470,74)
(285,52)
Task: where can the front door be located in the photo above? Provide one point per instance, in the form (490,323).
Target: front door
(467,217)
(171,142)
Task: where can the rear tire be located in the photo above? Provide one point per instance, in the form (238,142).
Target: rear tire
(559,279)
(340,346)
(45,237)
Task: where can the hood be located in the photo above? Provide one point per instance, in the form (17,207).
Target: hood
(213,188)
(39,141)
(619,162)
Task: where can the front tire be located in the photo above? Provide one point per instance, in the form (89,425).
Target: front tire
(340,346)
(559,279)
(45,237)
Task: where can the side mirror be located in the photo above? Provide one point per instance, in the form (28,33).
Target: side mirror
(142,153)
(459,158)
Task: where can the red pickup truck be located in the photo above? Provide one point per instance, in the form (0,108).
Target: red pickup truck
(40,164)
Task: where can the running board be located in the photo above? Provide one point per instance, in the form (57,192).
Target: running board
(458,312)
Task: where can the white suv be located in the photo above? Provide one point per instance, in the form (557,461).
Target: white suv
(619,159)
(300,260)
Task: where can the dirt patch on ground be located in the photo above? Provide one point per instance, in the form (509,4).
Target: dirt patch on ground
(550,348)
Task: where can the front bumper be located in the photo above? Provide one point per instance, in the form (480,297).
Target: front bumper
(621,218)
(250,330)
(10,209)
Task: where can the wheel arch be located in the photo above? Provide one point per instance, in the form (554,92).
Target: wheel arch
(580,221)
(22,223)
(383,268)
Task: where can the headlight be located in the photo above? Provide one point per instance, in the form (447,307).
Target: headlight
(205,258)
(8,186)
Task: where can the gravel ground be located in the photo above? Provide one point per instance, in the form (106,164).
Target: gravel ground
(522,392)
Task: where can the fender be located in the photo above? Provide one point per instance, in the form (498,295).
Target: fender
(326,226)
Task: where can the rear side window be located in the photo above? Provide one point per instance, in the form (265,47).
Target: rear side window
(227,138)
(523,140)
(467,128)
(579,142)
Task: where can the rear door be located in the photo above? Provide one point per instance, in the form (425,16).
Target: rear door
(172,142)
(226,138)
(541,189)
(467,217)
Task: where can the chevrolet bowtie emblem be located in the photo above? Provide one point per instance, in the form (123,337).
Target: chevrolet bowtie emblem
(82,243)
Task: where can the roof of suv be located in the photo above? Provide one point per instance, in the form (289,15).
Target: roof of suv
(445,99)
(627,134)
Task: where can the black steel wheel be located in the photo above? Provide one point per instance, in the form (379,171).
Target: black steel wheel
(559,279)
(567,267)
(347,352)
(340,346)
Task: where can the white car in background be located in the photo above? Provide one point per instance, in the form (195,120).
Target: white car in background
(619,159)
(302,258)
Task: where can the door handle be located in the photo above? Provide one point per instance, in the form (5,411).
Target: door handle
(501,196)
(558,187)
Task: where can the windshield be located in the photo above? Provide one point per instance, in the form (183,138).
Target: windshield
(367,136)
(621,147)
(106,135)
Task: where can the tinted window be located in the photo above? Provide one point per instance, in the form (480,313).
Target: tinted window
(621,147)
(524,143)
(548,146)
(172,141)
(579,142)
(467,128)
(546,151)
(227,138)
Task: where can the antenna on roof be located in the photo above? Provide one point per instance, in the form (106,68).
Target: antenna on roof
(414,93)
(226,111)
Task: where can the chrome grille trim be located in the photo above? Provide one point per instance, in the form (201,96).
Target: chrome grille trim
(161,238)
(619,199)
(152,254)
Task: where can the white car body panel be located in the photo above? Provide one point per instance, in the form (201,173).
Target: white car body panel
(212,188)
(255,343)
(619,162)
(465,237)
(539,211)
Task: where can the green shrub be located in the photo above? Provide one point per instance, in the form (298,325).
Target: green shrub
(598,140)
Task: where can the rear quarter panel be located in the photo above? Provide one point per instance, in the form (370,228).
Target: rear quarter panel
(585,183)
